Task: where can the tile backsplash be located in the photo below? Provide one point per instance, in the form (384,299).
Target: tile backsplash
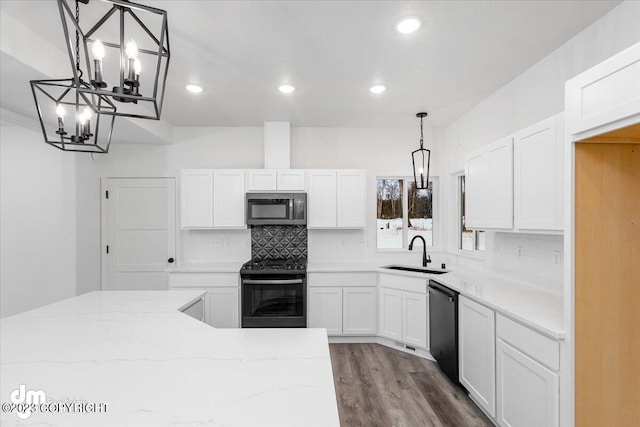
(279,241)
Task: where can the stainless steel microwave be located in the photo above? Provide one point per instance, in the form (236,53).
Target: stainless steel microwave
(276,208)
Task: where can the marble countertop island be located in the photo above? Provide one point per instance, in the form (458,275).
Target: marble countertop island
(155,366)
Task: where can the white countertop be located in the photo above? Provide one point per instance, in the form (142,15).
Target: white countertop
(537,308)
(155,366)
(208,267)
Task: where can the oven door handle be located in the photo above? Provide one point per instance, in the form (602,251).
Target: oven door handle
(272,282)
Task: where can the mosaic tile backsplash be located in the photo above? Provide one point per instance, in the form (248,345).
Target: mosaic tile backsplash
(278,241)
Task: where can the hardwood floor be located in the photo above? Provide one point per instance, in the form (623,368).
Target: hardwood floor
(380,386)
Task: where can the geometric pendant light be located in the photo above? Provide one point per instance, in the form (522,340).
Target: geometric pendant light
(421,159)
(72,120)
(124,52)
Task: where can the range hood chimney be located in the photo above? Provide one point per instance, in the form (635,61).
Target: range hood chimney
(277,145)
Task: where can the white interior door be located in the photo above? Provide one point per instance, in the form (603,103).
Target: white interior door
(140,233)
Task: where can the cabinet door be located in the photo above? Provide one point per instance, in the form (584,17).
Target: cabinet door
(261,180)
(414,319)
(477,190)
(359,311)
(321,200)
(228,198)
(528,394)
(223,307)
(352,198)
(390,313)
(605,94)
(476,344)
(325,309)
(537,170)
(196,198)
(291,180)
(500,184)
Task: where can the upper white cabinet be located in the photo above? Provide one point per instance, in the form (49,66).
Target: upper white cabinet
(321,199)
(228,198)
(276,180)
(476,345)
(196,198)
(352,198)
(212,198)
(337,199)
(291,180)
(538,177)
(489,186)
(262,180)
(605,97)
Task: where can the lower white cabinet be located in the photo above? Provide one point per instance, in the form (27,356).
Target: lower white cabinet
(477,358)
(414,319)
(325,309)
(528,394)
(195,309)
(343,310)
(390,313)
(223,307)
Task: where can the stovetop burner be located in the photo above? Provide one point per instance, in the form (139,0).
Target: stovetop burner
(292,265)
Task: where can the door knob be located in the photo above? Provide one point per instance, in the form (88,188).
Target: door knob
(170,260)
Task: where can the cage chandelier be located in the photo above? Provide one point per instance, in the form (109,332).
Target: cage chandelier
(421,159)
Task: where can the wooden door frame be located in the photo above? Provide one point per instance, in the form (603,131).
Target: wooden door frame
(103,222)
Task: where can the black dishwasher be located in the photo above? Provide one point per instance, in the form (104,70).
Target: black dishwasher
(443,328)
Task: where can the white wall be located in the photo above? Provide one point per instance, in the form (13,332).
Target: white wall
(37,220)
(536,94)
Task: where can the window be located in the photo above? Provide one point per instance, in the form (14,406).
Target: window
(470,240)
(403,212)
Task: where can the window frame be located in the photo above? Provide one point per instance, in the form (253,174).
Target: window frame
(475,252)
(435,206)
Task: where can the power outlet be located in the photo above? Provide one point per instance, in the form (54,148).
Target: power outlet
(556,257)
(520,251)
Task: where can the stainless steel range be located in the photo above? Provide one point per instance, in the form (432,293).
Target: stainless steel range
(274,293)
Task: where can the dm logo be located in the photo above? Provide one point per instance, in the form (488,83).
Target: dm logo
(26,400)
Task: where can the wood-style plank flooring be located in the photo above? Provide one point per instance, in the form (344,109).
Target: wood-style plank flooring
(380,386)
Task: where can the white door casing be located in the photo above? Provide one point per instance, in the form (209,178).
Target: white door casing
(138,227)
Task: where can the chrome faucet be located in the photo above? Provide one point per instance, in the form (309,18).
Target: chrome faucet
(426,259)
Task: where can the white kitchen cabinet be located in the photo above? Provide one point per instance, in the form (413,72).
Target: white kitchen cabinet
(262,180)
(538,175)
(228,198)
(223,305)
(605,97)
(222,298)
(196,198)
(528,394)
(414,319)
(325,309)
(489,186)
(291,180)
(390,313)
(359,311)
(352,198)
(322,199)
(476,346)
(196,309)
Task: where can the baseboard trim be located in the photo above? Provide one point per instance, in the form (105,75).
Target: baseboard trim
(382,341)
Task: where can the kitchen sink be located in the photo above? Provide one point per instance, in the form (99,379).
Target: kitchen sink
(415,269)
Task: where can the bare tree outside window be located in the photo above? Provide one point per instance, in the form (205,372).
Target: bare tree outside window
(389,213)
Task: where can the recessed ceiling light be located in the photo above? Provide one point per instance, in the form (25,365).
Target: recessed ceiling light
(408,25)
(193,88)
(377,88)
(286,88)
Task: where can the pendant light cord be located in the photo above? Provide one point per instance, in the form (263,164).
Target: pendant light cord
(78,41)
(421,135)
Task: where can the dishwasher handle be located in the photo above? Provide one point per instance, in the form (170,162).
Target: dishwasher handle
(438,291)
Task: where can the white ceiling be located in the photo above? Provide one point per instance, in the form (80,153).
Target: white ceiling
(333,51)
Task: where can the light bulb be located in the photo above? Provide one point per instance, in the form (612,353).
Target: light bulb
(137,66)
(98,50)
(87,113)
(421,170)
(82,119)
(132,49)
(60,111)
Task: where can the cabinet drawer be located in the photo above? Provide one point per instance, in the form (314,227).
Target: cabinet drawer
(411,284)
(539,347)
(340,279)
(203,280)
